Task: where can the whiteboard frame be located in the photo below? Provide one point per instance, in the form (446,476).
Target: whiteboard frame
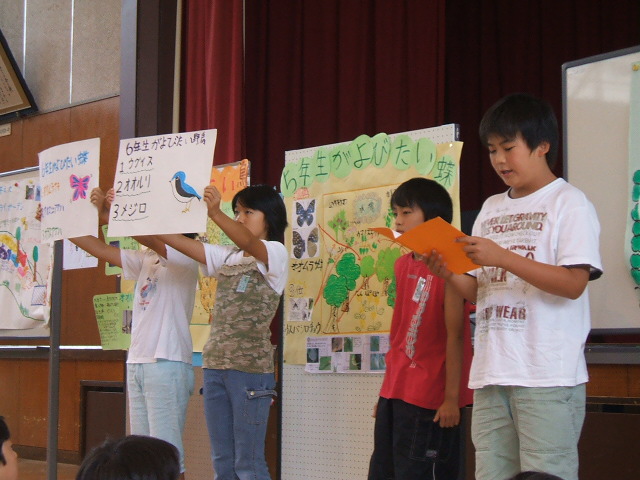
(600,288)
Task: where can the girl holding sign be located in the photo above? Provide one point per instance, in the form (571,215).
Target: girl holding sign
(238,360)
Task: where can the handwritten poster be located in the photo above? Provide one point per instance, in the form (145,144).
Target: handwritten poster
(25,263)
(114,316)
(68,173)
(159,183)
(341,274)
(229,179)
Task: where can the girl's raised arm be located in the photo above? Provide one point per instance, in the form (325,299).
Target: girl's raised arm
(188,246)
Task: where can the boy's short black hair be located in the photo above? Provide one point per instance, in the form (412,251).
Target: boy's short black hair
(134,456)
(524,114)
(426,194)
(269,202)
(4,436)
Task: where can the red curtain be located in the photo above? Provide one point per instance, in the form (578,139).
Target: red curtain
(212,73)
(497,47)
(320,72)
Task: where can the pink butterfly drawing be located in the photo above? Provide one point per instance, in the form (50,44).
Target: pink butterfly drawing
(79,186)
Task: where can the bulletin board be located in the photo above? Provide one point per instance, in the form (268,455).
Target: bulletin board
(326,424)
(25,263)
(601,106)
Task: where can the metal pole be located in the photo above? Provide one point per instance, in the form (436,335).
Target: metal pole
(54,363)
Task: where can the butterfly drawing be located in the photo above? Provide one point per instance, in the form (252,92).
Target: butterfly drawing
(305,215)
(310,245)
(79,186)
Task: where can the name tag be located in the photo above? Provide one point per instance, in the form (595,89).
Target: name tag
(242,284)
(419,288)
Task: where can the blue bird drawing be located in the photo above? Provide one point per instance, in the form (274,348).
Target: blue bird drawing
(183,192)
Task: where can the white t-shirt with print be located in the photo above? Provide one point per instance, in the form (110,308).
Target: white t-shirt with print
(276,275)
(524,336)
(162,304)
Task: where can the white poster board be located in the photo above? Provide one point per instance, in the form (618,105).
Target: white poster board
(25,263)
(159,183)
(596,104)
(68,173)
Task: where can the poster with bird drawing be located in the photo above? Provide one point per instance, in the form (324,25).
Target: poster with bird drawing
(159,182)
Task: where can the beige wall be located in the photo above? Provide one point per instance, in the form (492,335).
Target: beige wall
(67,50)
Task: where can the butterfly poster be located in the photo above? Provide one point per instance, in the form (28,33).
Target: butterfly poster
(68,173)
(306,236)
(341,273)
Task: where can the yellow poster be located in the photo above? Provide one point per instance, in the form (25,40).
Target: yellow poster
(341,278)
(229,179)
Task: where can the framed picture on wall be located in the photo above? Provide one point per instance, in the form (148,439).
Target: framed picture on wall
(15,97)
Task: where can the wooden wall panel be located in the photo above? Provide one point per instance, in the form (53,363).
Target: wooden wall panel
(33,392)
(607,381)
(634,381)
(69,417)
(41,132)
(99,119)
(11,149)
(9,400)
(24,400)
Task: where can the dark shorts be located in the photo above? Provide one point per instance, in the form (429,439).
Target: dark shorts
(409,445)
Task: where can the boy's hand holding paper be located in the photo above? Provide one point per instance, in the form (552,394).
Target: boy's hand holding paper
(435,234)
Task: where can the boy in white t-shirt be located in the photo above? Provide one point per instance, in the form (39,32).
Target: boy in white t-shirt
(537,245)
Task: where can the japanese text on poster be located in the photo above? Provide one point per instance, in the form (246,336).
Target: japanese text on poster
(68,173)
(159,183)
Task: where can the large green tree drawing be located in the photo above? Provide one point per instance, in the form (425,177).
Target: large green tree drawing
(367,269)
(384,266)
(335,293)
(337,288)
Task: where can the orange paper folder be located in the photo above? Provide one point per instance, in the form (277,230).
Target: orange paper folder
(435,234)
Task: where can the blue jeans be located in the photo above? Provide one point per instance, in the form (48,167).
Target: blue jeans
(409,445)
(516,429)
(158,397)
(236,407)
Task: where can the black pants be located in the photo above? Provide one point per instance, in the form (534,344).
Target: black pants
(409,445)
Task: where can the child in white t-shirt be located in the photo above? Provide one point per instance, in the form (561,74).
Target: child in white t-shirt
(537,245)
(160,376)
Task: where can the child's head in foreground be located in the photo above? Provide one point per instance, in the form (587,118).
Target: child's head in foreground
(265,199)
(427,195)
(8,458)
(135,457)
(530,475)
(522,114)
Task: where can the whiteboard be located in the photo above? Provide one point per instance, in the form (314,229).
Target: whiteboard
(596,105)
(326,422)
